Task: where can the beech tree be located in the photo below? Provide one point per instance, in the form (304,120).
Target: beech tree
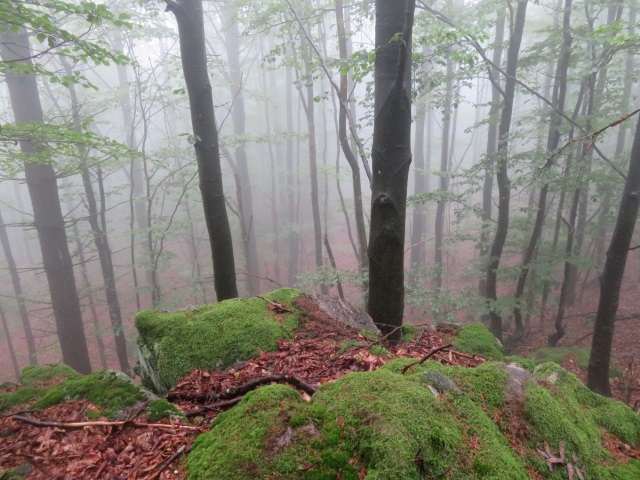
(43,189)
(611,278)
(391,158)
(190,20)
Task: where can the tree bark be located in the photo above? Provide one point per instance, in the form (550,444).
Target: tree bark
(553,141)
(7,337)
(238,117)
(189,16)
(611,278)
(391,155)
(492,146)
(504,185)
(47,213)
(17,288)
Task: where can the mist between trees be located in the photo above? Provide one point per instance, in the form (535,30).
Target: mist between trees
(444,160)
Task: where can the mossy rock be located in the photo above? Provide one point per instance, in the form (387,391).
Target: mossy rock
(34,375)
(110,390)
(560,354)
(390,426)
(474,338)
(160,409)
(213,336)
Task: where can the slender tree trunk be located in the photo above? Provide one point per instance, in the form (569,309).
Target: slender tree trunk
(7,337)
(553,142)
(238,117)
(444,176)
(504,185)
(292,240)
(611,278)
(562,301)
(138,208)
(492,147)
(101,241)
(419,186)
(92,305)
(43,189)
(309,108)
(189,16)
(17,288)
(391,155)
(343,98)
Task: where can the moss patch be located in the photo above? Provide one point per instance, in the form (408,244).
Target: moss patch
(212,336)
(20,396)
(390,426)
(38,374)
(474,338)
(160,409)
(105,389)
(560,354)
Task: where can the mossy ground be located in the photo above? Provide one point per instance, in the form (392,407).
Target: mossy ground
(107,389)
(212,336)
(560,354)
(474,338)
(392,427)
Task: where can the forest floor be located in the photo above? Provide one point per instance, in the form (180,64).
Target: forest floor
(316,355)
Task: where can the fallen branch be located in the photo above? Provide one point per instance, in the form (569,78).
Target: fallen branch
(278,306)
(212,406)
(72,425)
(426,357)
(245,388)
(168,462)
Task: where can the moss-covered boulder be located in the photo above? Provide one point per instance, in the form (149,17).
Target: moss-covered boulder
(473,338)
(111,391)
(385,425)
(213,336)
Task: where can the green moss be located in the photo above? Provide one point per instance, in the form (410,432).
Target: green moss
(161,408)
(36,374)
(525,363)
(211,336)
(20,396)
(616,417)
(394,428)
(379,351)
(344,347)
(409,332)
(104,389)
(17,473)
(560,354)
(474,338)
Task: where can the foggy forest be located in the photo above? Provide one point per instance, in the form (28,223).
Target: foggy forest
(167,154)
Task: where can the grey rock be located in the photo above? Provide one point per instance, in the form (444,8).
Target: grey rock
(440,382)
(345,312)
(517,379)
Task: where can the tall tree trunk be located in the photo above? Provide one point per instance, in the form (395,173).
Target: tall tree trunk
(309,108)
(47,213)
(189,16)
(391,155)
(100,240)
(238,117)
(292,237)
(92,305)
(492,146)
(7,337)
(553,141)
(504,185)
(419,186)
(611,278)
(17,288)
(137,201)
(444,175)
(343,98)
